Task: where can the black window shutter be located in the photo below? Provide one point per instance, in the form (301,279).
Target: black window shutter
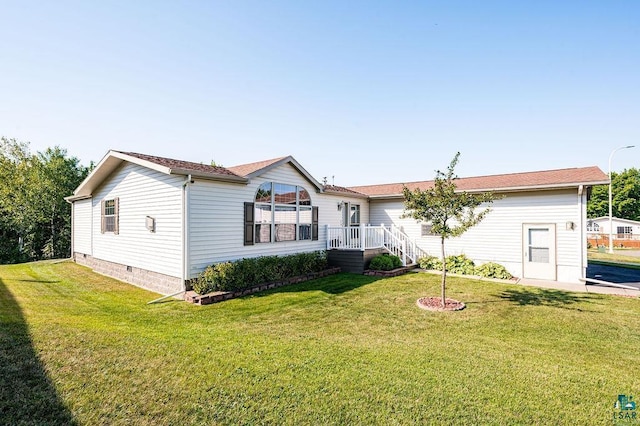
(248,224)
(116,228)
(314,223)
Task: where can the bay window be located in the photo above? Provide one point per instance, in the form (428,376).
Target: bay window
(280,212)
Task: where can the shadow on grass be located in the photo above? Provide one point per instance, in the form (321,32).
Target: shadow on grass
(333,284)
(543,297)
(27,395)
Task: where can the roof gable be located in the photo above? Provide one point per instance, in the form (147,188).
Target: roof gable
(251,170)
(183,167)
(548,179)
(113,159)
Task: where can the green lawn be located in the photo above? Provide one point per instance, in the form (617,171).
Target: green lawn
(347,349)
(618,256)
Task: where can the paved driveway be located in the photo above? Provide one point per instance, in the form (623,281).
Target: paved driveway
(635,253)
(615,274)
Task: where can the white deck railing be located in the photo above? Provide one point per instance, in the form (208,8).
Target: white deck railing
(371,237)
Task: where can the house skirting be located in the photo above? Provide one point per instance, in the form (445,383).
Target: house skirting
(352,260)
(149,280)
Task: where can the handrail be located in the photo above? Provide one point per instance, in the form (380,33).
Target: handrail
(362,237)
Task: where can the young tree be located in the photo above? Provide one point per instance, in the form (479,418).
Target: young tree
(450,212)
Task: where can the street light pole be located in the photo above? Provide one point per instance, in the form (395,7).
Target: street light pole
(610,197)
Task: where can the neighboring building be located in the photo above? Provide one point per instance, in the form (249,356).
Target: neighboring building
(623,229)
(158,222)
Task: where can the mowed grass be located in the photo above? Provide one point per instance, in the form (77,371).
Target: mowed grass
(618,256)
(76,347)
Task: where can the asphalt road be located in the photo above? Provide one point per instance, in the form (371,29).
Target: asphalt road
(615,274)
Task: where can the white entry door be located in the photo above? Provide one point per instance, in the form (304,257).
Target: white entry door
(539,251)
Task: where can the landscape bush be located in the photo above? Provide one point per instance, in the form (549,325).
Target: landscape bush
(245,273)
(493,270)
(385,262)
(461,264)
(430,262)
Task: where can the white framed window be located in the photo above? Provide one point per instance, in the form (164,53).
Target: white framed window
(285,221)
(625,231)
(592,226)
(305,222)
(110,216)
(280,212)
(263,220)
(354,214)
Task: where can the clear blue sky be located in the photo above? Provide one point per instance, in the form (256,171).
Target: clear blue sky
(365,91)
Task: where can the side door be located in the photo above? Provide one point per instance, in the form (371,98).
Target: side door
(539,251)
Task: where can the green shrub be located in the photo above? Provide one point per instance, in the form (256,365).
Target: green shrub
(246,273)
(219,277)
(493,270)
(456,264)
(205,282)
(381,263)
(430,262)
(460,264)
(385,262)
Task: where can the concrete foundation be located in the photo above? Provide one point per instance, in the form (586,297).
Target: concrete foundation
(149,280)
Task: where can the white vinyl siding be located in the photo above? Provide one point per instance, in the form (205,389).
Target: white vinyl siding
(216,225)
(142,192)
(82,226)
(499,237)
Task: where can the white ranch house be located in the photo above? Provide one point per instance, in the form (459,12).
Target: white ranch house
(157,222)
(623,229)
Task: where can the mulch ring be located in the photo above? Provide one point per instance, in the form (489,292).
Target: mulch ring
(435,304)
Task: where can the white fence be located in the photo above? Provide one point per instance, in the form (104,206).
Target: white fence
(371,237)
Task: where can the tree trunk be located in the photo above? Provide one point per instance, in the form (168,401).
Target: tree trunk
(444,272)
(53,234)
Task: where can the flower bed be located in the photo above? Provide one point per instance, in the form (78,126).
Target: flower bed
(219,296)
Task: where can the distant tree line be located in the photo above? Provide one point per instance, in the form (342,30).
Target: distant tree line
(625,196)
(35,220)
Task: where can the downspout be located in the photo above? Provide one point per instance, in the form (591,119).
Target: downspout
(185,242)
(73,230)
(185,232)
(581,226)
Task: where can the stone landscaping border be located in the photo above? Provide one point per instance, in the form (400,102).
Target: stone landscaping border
(219,296)
(392,273)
